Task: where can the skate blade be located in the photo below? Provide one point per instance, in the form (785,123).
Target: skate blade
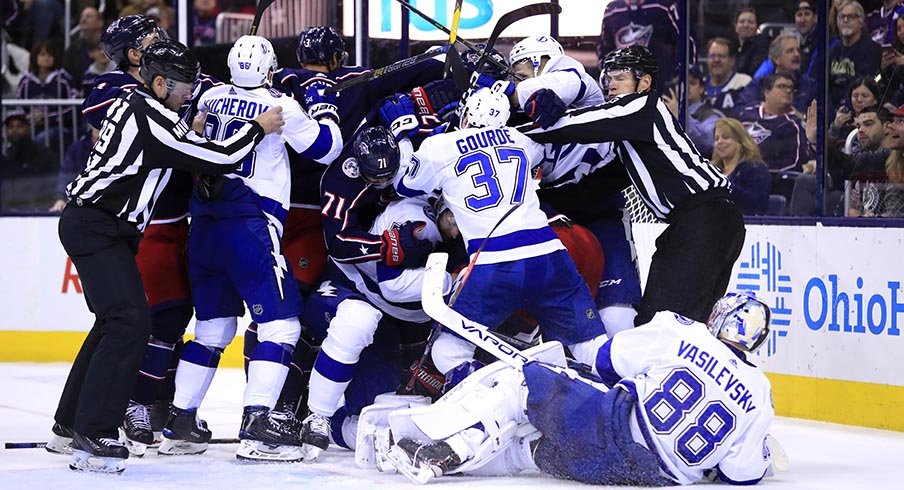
(779,457)
(135,448)
(382,444)
(59,445)
(83,461)
(176,447)
(415,473)
(260,452)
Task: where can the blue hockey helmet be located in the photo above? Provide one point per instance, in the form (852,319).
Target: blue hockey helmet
(319,44)
(127,33)
(471,58)
(377,154)
(740,318)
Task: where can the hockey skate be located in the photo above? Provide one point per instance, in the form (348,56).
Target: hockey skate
(268,435)
(420,462)
(184,433)
(136,431)
(61,442)
(98,454)
(316,435)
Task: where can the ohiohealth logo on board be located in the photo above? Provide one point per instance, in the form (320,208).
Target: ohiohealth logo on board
(761,274)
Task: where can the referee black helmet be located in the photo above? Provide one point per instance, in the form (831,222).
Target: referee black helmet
(637,59)
(171,60)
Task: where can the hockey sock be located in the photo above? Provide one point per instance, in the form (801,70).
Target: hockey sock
(250,344)
(152,371)
(194,374)
(267,371)
(299,373)
(585,352)
(617,318)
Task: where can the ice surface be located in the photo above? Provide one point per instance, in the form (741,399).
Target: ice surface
(823,456)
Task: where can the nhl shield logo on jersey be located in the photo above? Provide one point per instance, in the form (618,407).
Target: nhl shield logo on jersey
(257,309)
(350,168)
(632,34)
(591,313)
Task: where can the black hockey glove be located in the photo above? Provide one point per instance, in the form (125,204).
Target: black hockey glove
(544,107)
(209,186)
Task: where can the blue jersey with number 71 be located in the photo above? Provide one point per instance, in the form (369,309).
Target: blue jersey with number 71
(482,173)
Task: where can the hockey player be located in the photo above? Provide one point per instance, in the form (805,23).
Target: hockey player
(679,402)
(694,256)
(235,257)
(483,171)
(358,181)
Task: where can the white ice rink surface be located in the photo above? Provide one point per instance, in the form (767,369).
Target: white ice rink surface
(823,456)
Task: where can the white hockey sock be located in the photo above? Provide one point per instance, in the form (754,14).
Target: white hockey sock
(267,373)
(194,374)
(585,352)
(449,351)
(617,318)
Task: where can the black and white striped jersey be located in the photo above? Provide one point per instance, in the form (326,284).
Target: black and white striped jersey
(661,160)
(140,142)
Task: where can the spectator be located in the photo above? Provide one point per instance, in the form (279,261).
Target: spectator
(47,80)
(100,64)
(14,64)
(77,58)
(880,20)
(162,14)
(25,164)
(738,157)
(855,55)
(204,22)
(861,171)
(784,57)
(652,24)
(893,199)
(833,18)
(701,117)
(76,160)
(723,86)
(863,93)
(805,21)
(892,76)
(778,131)
(752,48)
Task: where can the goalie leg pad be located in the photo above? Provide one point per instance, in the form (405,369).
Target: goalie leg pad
(376,417)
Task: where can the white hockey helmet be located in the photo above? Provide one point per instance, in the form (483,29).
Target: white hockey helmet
(252,62)
(533,49)
(740,318)
(486,108)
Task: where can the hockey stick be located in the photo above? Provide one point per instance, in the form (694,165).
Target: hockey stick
(481,336)
(394,67)
(456,18)
(38,445)
(261,6)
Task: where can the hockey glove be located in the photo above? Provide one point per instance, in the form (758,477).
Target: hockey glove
(544,107)
(397,114)
(481,80)
(209,187)
(402,247)
(318,104)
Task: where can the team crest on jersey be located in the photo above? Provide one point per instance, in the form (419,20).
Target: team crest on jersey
(757,132)
(632,34)
(683,319)
(350,168)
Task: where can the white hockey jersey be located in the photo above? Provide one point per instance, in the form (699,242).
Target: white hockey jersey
(483,173)
(266,170)
(568,78)
(396,291)
(699,404)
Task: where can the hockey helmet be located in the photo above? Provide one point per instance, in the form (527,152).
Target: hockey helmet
(252,62)
(471,59)
(127,33)
(318,44)
(637,59)
(740,318)
(377,154)
(486,108)
(171,60)
(533,49)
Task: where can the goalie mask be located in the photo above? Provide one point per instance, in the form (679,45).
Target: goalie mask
(534,49)
(486,108)
(740,318)
(252,62)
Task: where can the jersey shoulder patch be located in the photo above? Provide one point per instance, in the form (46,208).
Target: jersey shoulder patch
(350,168)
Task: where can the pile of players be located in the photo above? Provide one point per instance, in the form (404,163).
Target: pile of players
(326,246)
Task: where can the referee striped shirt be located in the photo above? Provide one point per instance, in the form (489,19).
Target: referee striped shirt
(661,160)
(140,142)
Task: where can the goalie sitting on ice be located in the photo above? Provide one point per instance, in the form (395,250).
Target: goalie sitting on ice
(684,404)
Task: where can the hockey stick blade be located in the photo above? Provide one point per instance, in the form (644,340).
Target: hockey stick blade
(261,6)
(39,445)
(394,67)
(510,18)
(481,336)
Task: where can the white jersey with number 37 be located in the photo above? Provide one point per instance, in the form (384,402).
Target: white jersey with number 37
(483,173)
(700,405)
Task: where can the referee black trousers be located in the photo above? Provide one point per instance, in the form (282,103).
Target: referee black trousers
(103,248)
(692,264)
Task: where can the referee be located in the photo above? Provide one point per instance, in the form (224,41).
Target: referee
(141,140)
(694,256)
